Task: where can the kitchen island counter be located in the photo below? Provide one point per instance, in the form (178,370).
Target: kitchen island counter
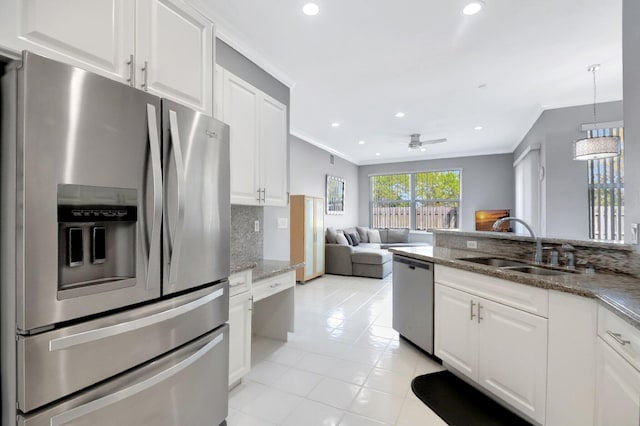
(619,292)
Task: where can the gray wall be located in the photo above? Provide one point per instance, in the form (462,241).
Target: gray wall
(309,169)
(487,183)
(564,202)
(276,241)
(631,85)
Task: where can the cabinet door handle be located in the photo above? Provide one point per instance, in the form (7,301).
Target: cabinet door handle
(471,305)
(618,338)
(259,191)
(479,316)
(251,307)
(264,195)
(145,72)
(132,71)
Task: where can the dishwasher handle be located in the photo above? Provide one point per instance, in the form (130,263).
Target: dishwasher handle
(413,264)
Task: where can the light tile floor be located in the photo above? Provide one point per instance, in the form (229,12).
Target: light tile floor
(344,365)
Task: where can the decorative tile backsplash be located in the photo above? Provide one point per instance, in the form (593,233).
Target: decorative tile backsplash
(246,244)
(606,257)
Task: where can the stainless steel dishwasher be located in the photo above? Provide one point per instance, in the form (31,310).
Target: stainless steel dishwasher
(413,301)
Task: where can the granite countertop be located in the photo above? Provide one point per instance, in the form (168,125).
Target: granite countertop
(619,292)
(266,268)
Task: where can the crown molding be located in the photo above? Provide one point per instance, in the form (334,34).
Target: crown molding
(305,137)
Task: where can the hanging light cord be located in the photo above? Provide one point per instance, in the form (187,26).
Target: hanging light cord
(594,68)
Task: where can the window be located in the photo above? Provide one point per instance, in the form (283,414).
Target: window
(606,194)
(418,201)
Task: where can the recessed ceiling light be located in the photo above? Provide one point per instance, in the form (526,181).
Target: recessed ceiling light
(477,128)
(473,7)
(361,142)
(310,9)
(334,124)
(399,114)
(377,154)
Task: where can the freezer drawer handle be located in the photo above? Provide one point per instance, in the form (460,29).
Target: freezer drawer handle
(113,330)
(130,391)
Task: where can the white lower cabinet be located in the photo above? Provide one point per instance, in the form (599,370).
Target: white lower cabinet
(617,381)
(239,336)
(501,348)
(617,389)
(512,357)
(240,306)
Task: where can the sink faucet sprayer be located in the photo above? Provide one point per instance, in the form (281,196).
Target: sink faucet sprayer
(538,257)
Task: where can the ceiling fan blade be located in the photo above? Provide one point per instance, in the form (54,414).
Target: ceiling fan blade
(433,141)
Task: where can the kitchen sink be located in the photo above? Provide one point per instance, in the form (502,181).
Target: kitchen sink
(513,265)
(493,261)
(534,270)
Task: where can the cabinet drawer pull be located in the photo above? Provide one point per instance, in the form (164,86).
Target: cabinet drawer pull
(145,71)
(618,338)
(132,71)
(480,318)
(471,305)
(274,285)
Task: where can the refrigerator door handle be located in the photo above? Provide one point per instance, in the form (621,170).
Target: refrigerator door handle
(156,168)
(128,392)
(177,237)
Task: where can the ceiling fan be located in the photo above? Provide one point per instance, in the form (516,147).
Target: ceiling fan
(416,144)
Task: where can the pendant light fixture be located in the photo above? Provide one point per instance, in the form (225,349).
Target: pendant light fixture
(594,147)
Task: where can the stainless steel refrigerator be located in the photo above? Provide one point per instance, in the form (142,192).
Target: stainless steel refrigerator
(114,253)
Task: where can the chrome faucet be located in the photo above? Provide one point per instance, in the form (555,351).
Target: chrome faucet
(538,256)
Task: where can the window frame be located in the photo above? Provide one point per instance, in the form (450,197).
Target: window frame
(413,200)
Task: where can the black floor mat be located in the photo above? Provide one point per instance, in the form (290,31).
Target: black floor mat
(459,404)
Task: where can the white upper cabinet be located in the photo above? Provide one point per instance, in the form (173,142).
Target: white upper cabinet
(97,35)
(174,52)
(241,114)
(273,153)
(163,46)
(259,134)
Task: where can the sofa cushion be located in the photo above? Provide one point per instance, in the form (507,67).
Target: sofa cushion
(330,235)
(374,236)
(398,236)
(341,239)
(371,257)
(383,234)
(362,231)
(364,246)
(355,237)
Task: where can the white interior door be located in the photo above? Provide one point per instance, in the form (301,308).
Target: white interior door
(527,173)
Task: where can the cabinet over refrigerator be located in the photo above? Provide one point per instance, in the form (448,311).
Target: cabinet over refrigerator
(114,253)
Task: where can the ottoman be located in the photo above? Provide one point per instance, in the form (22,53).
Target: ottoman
(374,263)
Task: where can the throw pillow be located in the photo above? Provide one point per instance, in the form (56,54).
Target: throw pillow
(383,235)
(362,232)
(398,235)
(341,239)
(374,236)
(331,235)
(355,239)
(348,237)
